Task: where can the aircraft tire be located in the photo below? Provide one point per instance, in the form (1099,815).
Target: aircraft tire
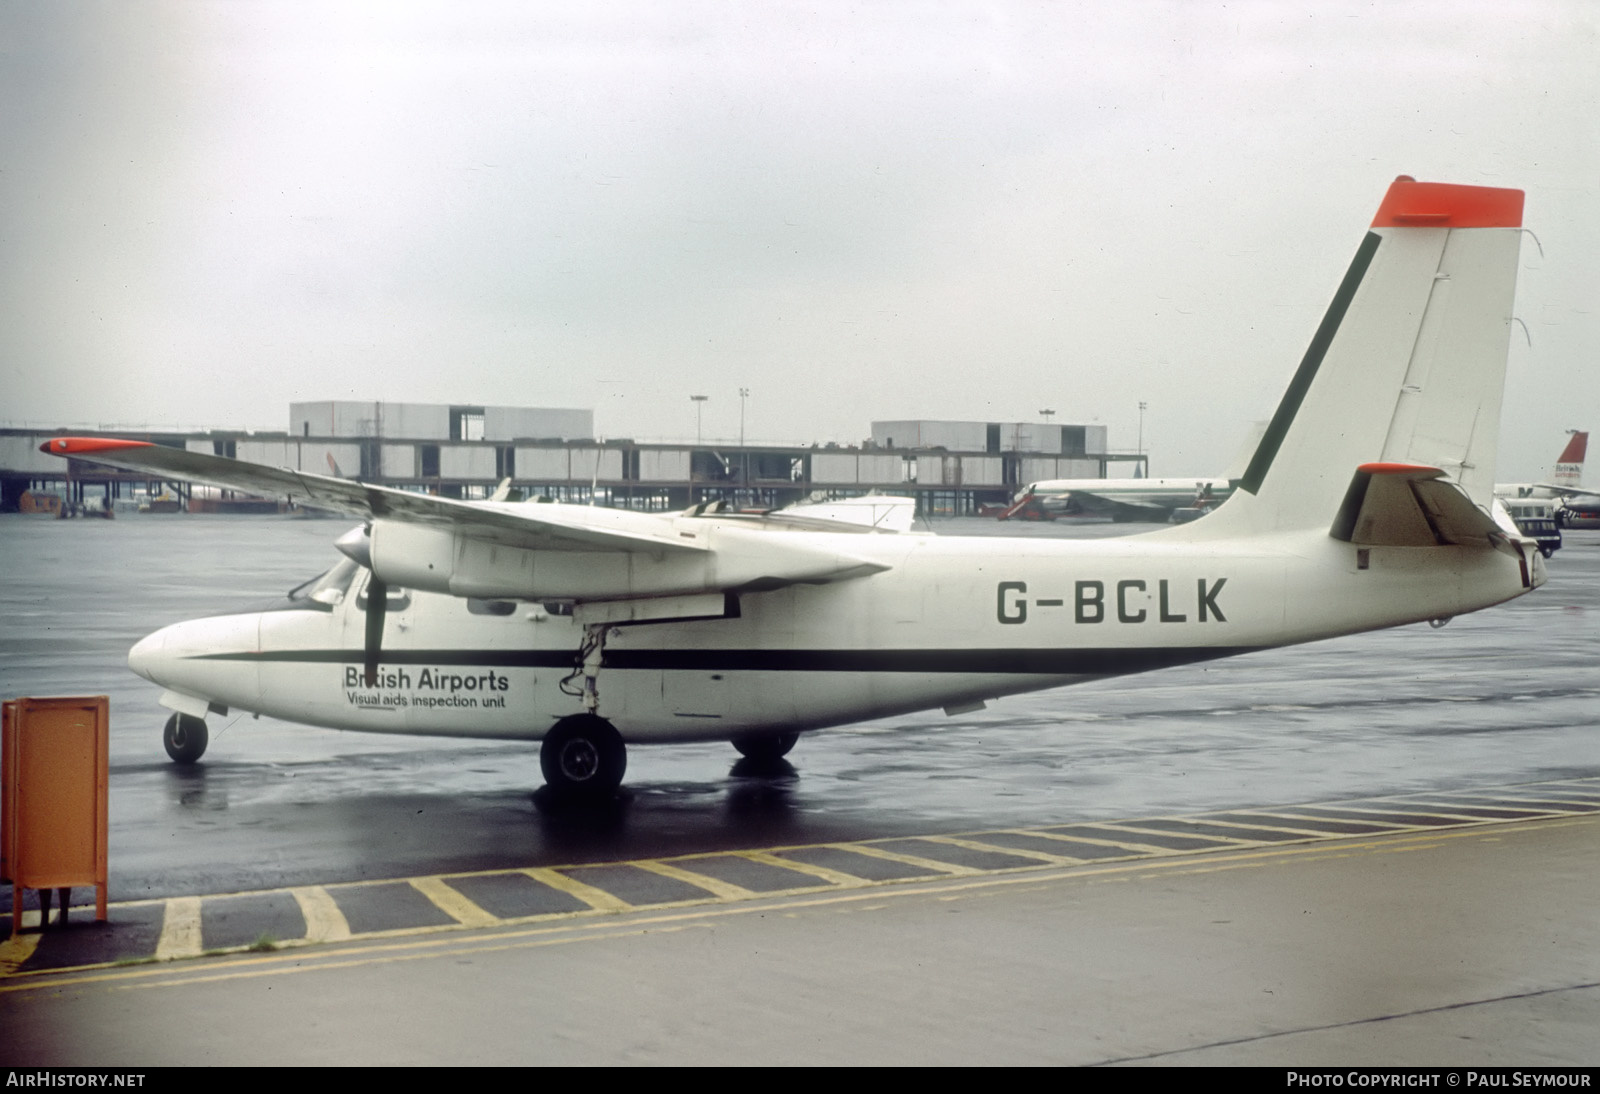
(583,756)
(186,738)
(765,746)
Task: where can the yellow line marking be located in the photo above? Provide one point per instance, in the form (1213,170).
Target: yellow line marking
(1375,811)
(1131,846)
(1523,801)
(1267,826)
(933,866)
(324,921)
(453,904)
(1218,840)
(180,929)
(724,889)
(16,950)
(593,930)
(993,848)
(821,873)
(598,899)
(1418,812)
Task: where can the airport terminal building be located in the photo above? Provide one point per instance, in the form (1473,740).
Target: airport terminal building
(463,451)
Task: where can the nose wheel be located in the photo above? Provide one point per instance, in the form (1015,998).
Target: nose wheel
(186,738)
(583,756)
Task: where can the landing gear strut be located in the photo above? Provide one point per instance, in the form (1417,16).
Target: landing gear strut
(186,738)
(583,756)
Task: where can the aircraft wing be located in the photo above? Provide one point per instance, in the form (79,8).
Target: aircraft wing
(1567,491)
(511,525)
(577,553)
(1409,505)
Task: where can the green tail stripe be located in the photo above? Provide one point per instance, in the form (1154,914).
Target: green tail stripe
(1272,439)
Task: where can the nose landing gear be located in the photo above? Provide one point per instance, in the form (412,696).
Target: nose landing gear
(186,738)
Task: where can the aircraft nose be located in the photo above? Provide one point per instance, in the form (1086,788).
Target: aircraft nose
(146,655)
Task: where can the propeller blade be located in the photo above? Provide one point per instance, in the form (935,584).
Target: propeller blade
(377,605)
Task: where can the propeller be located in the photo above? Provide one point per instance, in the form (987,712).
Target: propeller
(357,544)
(377,605)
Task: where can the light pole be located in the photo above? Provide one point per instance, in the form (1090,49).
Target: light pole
(699,407)
(1047,415)
(1144,465)
(744,457)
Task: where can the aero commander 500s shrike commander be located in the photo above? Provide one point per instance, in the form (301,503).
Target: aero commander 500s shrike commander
(1368,503)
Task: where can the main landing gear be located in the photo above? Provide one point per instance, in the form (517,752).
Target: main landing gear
(583,757)
(765,747)
(186,738)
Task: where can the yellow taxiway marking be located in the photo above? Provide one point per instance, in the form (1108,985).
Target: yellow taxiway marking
(1312,819)
(821,873)
(933,866)
(453,904)
(250,966)
(1220,841)
(1441,810)
(1397,826)
(1533,803)
(324,921)
(598,899)
(724,889)
(996,849)
(181,935)
(15,950)
(180,929)
(1131,846)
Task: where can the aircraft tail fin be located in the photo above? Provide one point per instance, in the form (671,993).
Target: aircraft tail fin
(1407,366)
(1569,466)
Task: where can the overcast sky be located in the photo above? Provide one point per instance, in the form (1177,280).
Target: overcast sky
(856,211)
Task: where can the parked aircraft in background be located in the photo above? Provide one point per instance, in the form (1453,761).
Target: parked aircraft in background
(1570,505)
(1366,504)
(1133,499)
(1565,478)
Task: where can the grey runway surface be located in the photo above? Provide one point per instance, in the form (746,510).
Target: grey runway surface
(1407,943)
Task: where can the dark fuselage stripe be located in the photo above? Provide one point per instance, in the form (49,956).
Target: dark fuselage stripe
(1049,662)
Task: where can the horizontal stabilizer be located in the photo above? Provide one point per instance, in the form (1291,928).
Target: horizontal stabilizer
(1407,505)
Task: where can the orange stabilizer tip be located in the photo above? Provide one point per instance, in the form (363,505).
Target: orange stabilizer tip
(1397,468)
(1413,204)
(83,446)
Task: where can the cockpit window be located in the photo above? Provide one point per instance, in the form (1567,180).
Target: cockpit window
(329,588)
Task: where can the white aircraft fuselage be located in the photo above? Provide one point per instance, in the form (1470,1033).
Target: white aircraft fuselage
(952,621)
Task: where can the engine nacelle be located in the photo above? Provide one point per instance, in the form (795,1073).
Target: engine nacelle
(445,560)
